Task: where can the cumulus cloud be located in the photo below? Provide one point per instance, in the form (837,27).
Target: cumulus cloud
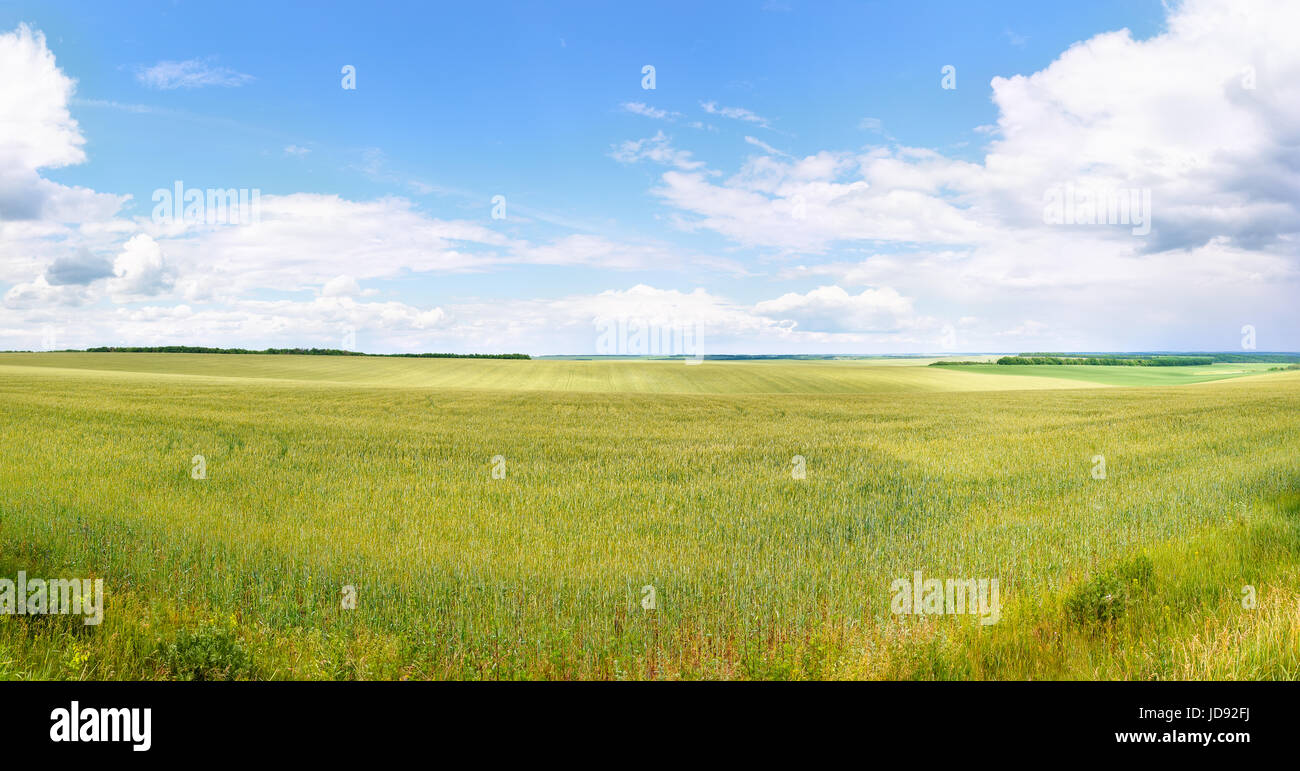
(575,323)
(39,293)
(81,268)
(832,309)
(882,247)
(140,269)
(1211,140)
(303,240)
(37,129)
(601,252)
(341,286)
(322,322)
(38,132)
(822,200)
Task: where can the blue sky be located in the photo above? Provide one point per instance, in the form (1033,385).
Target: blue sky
(797,181)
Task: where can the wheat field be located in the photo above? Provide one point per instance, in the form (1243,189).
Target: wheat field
(481,519)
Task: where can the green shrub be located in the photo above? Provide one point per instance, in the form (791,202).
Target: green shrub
(1105,597)
(211,653)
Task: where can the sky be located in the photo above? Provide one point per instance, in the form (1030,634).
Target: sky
(760,177)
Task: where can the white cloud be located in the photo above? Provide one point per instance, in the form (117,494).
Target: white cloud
(735,113)
(81,268)
(822,200)
(321,322)
(1212,137)
(1015,39)
(832,309)
(1218,156)
(341,286)
(570,324)
(303,240)
(871,124)
(1027,328)
(765,147)
(190,73)
(37,128)
(643,109)
(899,242)
(657,149)
(40,294)
(140,270)
(38,132)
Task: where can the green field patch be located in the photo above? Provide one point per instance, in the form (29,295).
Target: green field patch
(1121,376)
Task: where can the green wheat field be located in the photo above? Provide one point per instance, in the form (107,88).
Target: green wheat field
(502,519)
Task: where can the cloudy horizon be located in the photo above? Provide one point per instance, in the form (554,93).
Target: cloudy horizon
(1120,178)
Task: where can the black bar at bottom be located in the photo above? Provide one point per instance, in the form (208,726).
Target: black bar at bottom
(723,720)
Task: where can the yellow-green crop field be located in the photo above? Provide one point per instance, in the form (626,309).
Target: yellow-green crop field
(488,519)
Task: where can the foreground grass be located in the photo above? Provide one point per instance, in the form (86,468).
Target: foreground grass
(312,487)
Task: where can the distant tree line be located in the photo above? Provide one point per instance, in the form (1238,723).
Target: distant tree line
(1235,358)
(299,352)
(1112,361)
